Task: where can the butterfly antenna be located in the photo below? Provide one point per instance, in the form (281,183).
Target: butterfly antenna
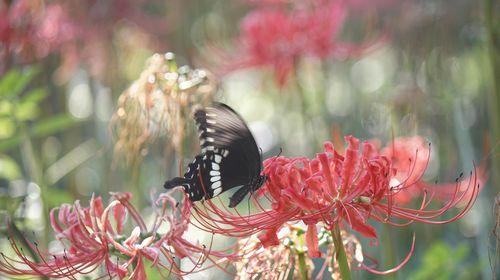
(248,203)
(277,156)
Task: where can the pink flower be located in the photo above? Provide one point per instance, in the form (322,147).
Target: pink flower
(410,157)
(77,30)
(93,237)
(276,37)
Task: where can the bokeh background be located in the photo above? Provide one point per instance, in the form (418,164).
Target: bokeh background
(389,69)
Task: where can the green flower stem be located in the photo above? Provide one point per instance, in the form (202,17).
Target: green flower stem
(491,22)
(340,255)
(302,266)
(389,252)
(34,170)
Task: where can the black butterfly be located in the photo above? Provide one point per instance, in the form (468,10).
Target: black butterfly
(229,157)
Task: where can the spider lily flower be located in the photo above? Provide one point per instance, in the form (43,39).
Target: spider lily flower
(409,155)
(356,187)
(277,36)
(94,238)
(158,104)
(347,191)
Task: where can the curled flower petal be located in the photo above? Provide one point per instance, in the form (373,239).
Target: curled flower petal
(312,241)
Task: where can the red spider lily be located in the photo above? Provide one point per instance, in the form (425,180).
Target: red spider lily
(409,155)
(276,37)
(335,189)
(93,237)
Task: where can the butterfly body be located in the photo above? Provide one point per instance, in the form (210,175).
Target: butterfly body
(229,157)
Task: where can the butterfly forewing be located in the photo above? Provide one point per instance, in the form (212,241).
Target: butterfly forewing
(221,127)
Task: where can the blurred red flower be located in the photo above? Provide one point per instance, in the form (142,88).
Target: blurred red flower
(276,36)
(79,31)
(410,155)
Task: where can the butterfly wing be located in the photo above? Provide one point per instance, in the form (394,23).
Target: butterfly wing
(229,156)
(222,131)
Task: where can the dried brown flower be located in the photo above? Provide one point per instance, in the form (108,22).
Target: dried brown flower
(158,104)
(292,254)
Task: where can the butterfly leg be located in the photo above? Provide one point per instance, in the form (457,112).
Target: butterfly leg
(238,196)
(177,181)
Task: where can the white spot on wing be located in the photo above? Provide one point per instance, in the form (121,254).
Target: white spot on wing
(215,166)
(218,158)
(210,139)
(214,173)
(216,184)
(225,153)
(217,191)
(210,130)
(214,179)
(211,122)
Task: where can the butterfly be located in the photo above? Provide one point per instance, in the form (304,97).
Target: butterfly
(229,157)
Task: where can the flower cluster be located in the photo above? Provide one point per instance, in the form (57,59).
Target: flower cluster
(158,104)
(94,238)
(354,188)
(346,191)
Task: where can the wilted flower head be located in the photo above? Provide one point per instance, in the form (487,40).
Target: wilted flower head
(159,104)
(94,237)
(295,250)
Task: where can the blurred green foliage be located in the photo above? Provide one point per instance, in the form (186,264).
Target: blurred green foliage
(442,261)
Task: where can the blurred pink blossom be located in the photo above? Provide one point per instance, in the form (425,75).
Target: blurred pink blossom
(277,36)
(80,31)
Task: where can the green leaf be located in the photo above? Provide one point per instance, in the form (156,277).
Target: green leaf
(7,128)
(52,125)
(35,95)
(9,168)
(8,82)
(27,111)
(15,81)
(45,127)
(6,108)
